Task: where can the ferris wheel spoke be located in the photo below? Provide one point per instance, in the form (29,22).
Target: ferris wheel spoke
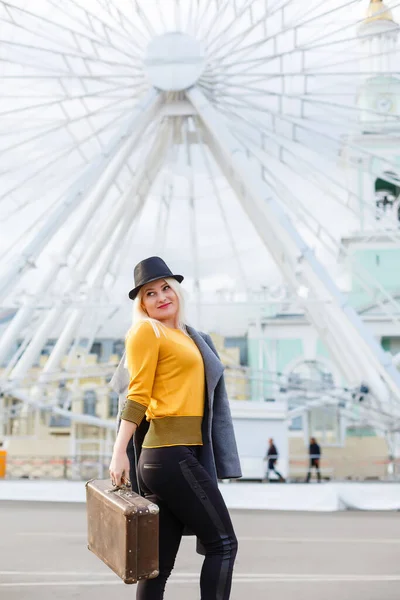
(352,60)
(84,77)
(285,94)
(111,92)
(272,165)
(309,167)
(292,26)
(126,248)
(160,15)
(296,207)
(84,115)
(224,216)
(296,49)
(238,38)
(146,22)
(68,122)
(21,239)
(309,127)
(54,160)
(192,219)
(323,44)
(108,221)
(66,74)
(68,56)
(167,201)
(312,99)
(39,171)
(302,214)
(332,11)
(28,129)
(300,14)
(122,17)
(201,16)
(97,19)
(53,103)
(220,15)
(85,263)
(302,161)
(167,191)
(65,151)
(305,83)
(230,50)
(61,124)
(313,273)
(61,183)
(316,70)
(318,65)
(371,286)
(190,17)
(340,29)
(92,41)
(177,15)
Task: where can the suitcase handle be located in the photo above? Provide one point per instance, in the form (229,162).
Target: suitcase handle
(125,487)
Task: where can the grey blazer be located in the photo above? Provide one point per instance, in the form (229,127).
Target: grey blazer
(218,455)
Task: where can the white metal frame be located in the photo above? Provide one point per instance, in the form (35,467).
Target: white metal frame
(238,66)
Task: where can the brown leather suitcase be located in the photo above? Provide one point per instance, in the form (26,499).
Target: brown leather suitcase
(122,530)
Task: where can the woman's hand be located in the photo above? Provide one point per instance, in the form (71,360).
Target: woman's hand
(119,467)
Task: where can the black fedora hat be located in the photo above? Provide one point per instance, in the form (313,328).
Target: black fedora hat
(151,269)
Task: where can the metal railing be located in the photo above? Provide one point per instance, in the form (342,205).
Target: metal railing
(88,466)
(347,468)
(74,468)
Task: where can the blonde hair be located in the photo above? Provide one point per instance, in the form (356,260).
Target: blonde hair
(139,315)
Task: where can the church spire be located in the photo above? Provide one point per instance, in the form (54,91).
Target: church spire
(378,11)
(378,21)
(378,33)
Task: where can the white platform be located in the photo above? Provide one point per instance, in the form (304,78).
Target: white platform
(309,497)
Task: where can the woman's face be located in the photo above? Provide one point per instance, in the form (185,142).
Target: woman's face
(160,302)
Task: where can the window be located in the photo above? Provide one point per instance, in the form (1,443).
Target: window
(89,402)
(387,193)
(309,380)
(241,343)
(96,349)
(63,400)
(48,348)
(118,348)
(311,375)
(113,404)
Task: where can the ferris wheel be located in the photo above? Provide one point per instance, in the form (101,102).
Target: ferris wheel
(225,134)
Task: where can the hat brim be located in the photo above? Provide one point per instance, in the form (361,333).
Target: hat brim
(133,293)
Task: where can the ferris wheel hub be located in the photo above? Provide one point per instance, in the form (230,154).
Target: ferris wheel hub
(174,61)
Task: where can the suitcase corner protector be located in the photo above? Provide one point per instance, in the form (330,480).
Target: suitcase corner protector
(154,574)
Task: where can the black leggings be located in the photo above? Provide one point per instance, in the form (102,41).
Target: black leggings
(173,478)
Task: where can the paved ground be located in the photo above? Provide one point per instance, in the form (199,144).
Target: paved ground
(301,556)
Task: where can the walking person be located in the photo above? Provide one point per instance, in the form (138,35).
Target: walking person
(272,457)
(186,441)
(315,457)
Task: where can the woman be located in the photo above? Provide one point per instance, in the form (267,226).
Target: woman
(176,382)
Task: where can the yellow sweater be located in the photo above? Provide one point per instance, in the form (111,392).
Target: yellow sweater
(167,385)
